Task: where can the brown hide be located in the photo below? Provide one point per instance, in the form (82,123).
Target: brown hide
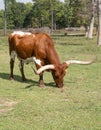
(22,45)
(39,45)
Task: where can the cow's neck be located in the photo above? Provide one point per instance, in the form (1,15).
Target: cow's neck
(53,57)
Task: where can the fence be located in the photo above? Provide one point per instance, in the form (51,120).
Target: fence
(73,31)
(33,30)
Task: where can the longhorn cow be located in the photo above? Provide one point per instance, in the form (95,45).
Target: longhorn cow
(38,48)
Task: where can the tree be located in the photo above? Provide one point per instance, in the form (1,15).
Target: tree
(1,19)
(16,15)
(46,13)
(71,7)
(40,13)
(99,22)
(52,15)
(90,32)
(60,16)
(5,17)
(27,20)
(6,2)
(88,12)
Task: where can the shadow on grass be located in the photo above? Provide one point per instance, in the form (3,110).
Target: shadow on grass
(6,76)
(51,84)
(28,81)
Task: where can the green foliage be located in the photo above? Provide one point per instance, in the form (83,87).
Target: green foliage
(71,8)
(70,13)
(17,13)
(1,19)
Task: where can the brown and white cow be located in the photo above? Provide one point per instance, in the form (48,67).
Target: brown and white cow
(38,48)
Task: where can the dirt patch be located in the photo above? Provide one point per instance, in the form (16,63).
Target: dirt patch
(6,105)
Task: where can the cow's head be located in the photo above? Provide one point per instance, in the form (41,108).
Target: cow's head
(58,74)
(59,71)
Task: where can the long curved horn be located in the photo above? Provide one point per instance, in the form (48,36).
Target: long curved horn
(43,68)
(68,62)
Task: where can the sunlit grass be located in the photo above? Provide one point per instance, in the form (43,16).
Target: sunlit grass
(77,108)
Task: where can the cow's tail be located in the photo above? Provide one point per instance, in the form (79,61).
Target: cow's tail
(12,51)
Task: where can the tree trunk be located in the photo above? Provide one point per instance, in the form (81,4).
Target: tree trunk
(99,20)
(86,31)
(5,19)
(90,32)
(52,18)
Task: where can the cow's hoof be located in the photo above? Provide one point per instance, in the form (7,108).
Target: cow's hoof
(42,85)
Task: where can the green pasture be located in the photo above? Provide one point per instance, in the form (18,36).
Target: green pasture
(26,106)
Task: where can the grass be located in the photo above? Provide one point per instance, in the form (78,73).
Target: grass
(25,106)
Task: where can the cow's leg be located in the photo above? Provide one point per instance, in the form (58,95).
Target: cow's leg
(38,65)
(21,66)
(41,82)
(12,60)
(11,69)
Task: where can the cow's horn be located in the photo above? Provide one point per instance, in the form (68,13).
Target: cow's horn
(68,62)
(43,68)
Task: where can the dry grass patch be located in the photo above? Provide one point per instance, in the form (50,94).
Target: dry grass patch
(6,105)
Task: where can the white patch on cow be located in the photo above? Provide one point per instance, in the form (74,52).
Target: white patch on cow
(37,61)
(21,33)
(28,60)
(31,59)
(13,55)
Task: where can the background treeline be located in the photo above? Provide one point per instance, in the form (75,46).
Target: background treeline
(51,13)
